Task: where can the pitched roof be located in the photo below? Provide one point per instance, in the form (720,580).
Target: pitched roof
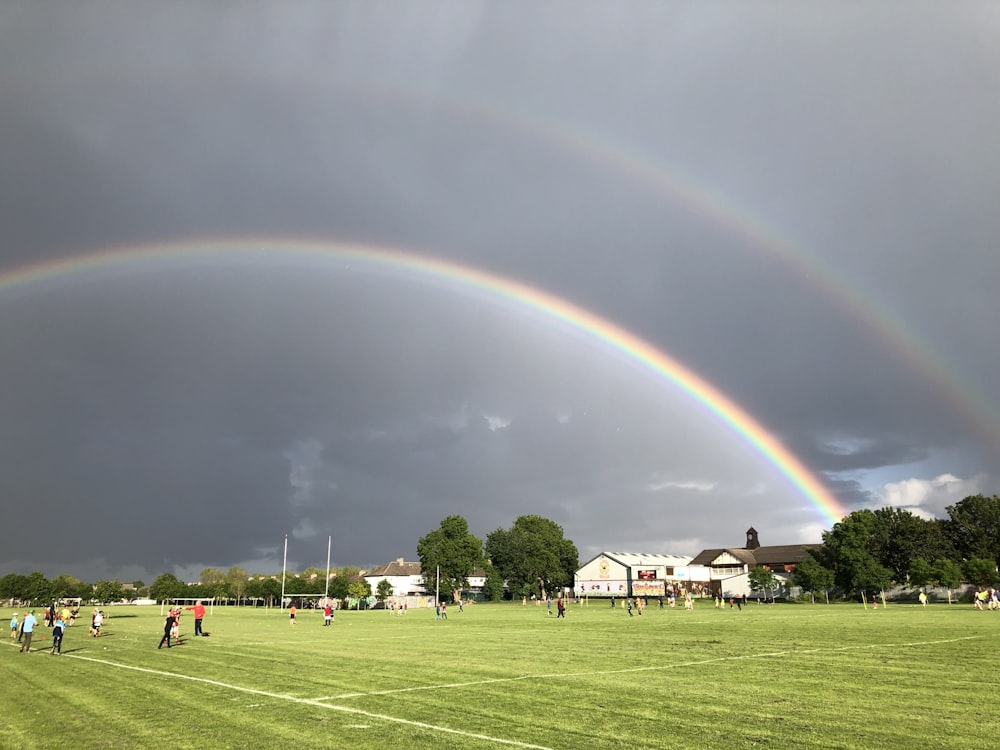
(782,553)
(705,557)
(635,559)
(778,554)
(397,568)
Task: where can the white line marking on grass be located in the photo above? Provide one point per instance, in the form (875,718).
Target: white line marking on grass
(317,704)
(660,668)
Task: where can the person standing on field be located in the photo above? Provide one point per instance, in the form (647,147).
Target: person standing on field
(13,625)
(291,614)
(27,628)
(169,624)
(561,606)
(57,635)
(199,614)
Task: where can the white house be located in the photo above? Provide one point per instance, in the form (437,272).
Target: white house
(408,581)
(405,577)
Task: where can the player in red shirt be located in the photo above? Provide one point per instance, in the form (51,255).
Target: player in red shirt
(199,614)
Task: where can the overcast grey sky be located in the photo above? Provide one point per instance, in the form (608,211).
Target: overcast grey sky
(796,202)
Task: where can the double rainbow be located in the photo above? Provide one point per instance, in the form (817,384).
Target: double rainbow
(610,335)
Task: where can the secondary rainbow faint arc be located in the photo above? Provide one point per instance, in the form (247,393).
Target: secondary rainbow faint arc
(467,277)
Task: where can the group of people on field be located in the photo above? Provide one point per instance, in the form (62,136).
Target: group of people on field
(987,599)
(172,624)
(23,628)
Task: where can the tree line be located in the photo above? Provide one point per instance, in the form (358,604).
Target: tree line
(873,550)
(531,558)
(235,584)
(868,550)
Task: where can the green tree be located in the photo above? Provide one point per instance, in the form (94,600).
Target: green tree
(166,587)
(921,573)
(948,573)
(899,537)
(14,586)
(848,551)
(236,583)
(359,590)
(38,588)
(296,584)
(973,527)
(811,576)
(338,587)
(64,586)
(533,556)
(454,551)
(493,586)
(981,571)
(762,579)
(384,590)
(108,591)
(270,589)
(212,577)
(872,577)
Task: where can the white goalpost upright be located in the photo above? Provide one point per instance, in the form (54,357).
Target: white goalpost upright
(324,597)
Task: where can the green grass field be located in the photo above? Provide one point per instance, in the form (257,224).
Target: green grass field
(505,675)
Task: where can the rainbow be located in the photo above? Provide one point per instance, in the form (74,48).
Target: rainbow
(682,189)
(285,252)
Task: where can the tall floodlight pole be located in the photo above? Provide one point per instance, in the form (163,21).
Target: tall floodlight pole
(284,561)
(437,588)
(326,591)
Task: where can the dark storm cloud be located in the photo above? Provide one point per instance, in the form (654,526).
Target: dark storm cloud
(172,417)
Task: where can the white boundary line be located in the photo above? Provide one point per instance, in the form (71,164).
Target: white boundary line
(316,703)
(659,668)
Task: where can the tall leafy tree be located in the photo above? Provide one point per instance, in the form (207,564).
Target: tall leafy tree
(64,585)
(762,579)
(212,577)
(359,590)
(384,590)
(38,588)
(14,586)
(338,586)
(899,537)
(452,549)
(166,587)
(493,586)
(108,591)
(848,547)
(921,573)
(533,556)
(236,582)
(973,527)
(981,571)
(948,573)
(813,577)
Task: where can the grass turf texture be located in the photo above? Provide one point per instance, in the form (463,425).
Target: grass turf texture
(506,675)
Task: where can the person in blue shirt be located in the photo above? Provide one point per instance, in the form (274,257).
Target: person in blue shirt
(57,635)
(28,627)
